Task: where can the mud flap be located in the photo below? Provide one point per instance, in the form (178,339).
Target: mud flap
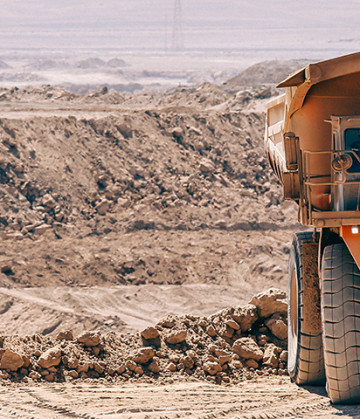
(351,237)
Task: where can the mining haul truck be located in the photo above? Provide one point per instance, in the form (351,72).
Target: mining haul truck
(312,141)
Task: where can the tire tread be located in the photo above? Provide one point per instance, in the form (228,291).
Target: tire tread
(340,306)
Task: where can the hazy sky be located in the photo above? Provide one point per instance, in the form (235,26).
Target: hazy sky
(148,24)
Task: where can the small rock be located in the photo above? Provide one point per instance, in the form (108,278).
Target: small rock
(121,369)
(102,207)
(262,339)
(224,357)
(232,323)
(168,322)
(73,374)
(225,331)
(247,348)
(67,335)
(154,366)
(143,355)
(177,133)
(96,350)
(150,333)
(72,362)
(138,370)
(4,375)
(206,166)
(34,375)
(211,331)
(246,316)
(284,356)
(277,326)
(48,201)
(212,368)
(26,360)
(270,302)
(83,368)
(41,229)
(238,364)
(50,358)
(125,129)
(251,363)
(89,338)
(99,368)
(131,365)
(171,367)
(270,356)
(221,224)
(176,336)
(187,361)
(11,361)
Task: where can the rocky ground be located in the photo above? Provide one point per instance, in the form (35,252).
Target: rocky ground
(224,347)
(152,212)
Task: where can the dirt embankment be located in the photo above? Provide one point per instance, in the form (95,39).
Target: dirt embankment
(131,197)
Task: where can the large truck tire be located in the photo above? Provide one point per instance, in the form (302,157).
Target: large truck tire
(305,351)
(340,306)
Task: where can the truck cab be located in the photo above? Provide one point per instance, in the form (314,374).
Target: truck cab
(345,194)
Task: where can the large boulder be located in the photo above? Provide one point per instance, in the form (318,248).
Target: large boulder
(247,348)
(269,302)
(176,336)
(150,333)
(89,338)
(50,358)
(11,361)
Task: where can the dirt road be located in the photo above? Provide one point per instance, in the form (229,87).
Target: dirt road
(270,397)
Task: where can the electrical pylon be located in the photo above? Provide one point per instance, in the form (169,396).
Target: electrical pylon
(177,35)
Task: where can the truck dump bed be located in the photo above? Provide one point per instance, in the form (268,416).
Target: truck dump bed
(305,138)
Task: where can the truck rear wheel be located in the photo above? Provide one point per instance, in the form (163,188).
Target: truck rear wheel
(305,352)
(340,306)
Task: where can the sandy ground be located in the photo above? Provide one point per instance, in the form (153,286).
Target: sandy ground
(122,309)
(270,397)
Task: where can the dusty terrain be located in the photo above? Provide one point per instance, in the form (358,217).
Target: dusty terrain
(154,213)
(106,190)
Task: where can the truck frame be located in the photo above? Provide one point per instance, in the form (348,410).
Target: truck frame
(312,140)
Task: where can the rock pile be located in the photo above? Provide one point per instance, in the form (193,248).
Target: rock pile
(228,346)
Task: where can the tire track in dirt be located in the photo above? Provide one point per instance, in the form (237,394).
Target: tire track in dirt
(270,397)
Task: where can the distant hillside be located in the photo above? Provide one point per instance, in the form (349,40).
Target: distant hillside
(3,65)
(267,72)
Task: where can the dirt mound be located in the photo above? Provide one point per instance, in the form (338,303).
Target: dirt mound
(230,345)
(267,72)
(77,184)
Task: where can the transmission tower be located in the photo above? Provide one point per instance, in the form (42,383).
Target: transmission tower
(177,35)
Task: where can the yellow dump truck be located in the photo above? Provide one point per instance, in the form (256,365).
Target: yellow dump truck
(312,141)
